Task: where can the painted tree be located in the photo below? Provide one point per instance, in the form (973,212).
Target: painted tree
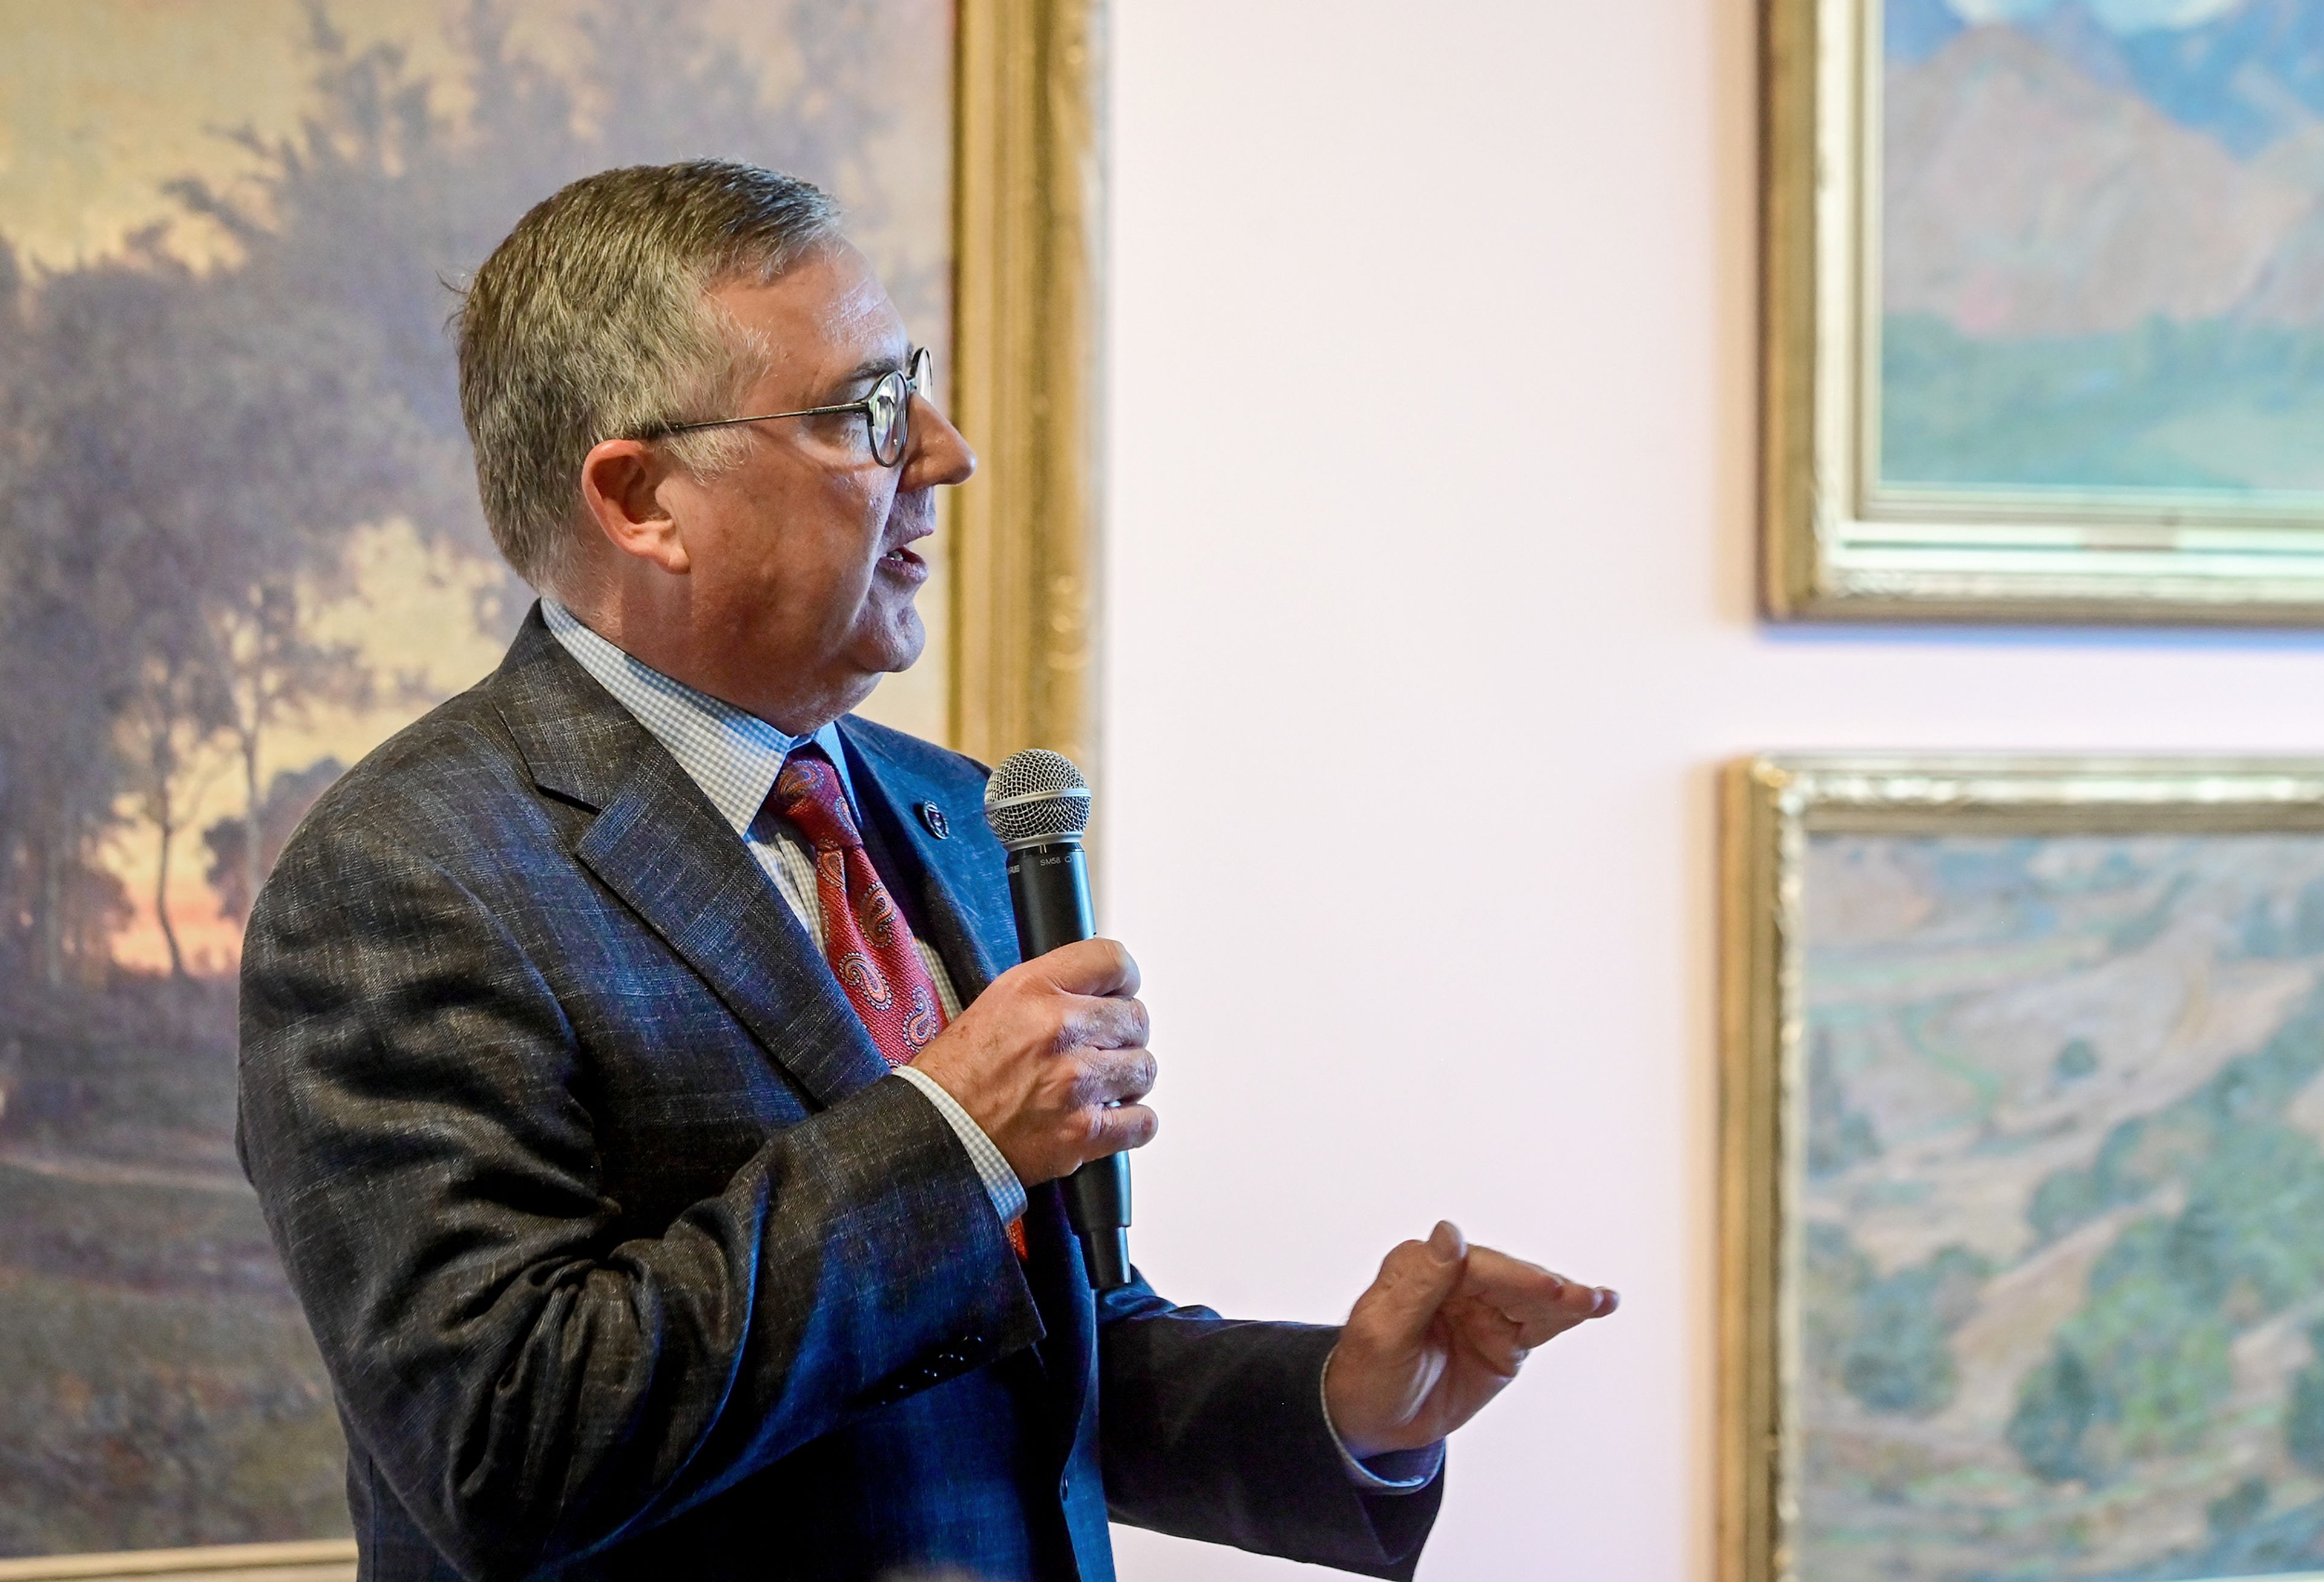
(195,453)
(87,586)
(332,330)
(289,796)
(177,708)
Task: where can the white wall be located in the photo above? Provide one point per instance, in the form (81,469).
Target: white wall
(1431,439)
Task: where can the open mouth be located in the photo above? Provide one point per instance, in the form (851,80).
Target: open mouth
(901,559)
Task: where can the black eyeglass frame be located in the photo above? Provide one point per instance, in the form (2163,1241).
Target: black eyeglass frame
(897,385)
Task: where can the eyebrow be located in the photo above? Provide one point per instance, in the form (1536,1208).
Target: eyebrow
(873,367)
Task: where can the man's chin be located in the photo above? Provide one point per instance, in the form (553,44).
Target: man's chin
(897,643)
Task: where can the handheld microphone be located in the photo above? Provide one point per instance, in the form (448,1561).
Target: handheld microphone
(1038,803)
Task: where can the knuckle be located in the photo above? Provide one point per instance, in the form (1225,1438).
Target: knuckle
(1080,1081)
(1402,1259)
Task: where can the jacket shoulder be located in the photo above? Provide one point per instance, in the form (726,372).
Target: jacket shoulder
(452,767)
(941,764)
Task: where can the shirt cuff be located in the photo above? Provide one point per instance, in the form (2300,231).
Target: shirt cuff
(1000,1182)
(1397,1472)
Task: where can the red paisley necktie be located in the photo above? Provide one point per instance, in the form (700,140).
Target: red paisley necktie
(865,938)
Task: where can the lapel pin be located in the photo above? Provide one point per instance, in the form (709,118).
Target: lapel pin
(933,817)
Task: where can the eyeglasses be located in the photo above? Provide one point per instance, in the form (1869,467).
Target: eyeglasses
(887,411)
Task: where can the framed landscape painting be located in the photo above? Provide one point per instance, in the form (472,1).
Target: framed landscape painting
(239,546)
(2044,310)
(2023,1113)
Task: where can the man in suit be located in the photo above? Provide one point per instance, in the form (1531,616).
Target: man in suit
(638,1074)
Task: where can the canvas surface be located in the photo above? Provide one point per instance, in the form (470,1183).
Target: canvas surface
(2102,245)
(239,545)
(2061,1277)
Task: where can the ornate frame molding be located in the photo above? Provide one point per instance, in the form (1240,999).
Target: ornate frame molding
(1027,183)
(330,1559)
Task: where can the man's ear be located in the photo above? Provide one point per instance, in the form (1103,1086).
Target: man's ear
(621,484)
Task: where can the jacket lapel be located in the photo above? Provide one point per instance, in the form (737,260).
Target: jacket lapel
(961,880)
(964,887)
(663,849)
(658,844)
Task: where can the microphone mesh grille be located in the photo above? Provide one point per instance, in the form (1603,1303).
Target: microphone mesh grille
(1034,794)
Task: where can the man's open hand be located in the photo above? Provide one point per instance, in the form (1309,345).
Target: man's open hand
(1041,1059)
(1442,1330)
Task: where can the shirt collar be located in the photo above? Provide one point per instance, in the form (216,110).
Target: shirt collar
(733,756)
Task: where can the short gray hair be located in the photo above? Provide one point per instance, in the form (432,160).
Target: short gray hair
(593,321)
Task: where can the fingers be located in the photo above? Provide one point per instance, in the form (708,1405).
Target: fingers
(1109,1076)
(1414,1280)
(1103,1023)
(1496,1340)
(1127,1126)
(1106,1086)
(1100,966)
(1039,1058)
(1536,1303)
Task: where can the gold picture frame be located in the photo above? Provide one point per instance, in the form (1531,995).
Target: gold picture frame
(1027,217)
(1029,186)
(1837,543)
(321,1560)
(1772,809)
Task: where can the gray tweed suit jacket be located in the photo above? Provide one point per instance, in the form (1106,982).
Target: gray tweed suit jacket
(625,1262)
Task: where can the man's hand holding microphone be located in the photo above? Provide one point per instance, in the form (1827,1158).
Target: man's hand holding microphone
(1039,1058)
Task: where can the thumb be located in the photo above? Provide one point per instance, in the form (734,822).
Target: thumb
(1100,968)
(1414,1281)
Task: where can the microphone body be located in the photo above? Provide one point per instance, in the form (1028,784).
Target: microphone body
(1049,886)
(1048,889)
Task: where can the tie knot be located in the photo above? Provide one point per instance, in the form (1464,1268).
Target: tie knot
(808,793)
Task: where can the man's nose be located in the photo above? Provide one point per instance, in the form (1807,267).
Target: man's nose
(938,455)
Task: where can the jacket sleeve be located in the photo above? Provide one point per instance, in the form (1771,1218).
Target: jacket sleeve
(415,1118)
(1213,1429)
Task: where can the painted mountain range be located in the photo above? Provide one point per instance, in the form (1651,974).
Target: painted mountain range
(2050,177)
(2103,244)
(2247,74)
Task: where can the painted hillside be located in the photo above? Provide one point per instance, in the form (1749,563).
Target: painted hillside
(2063,1261)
